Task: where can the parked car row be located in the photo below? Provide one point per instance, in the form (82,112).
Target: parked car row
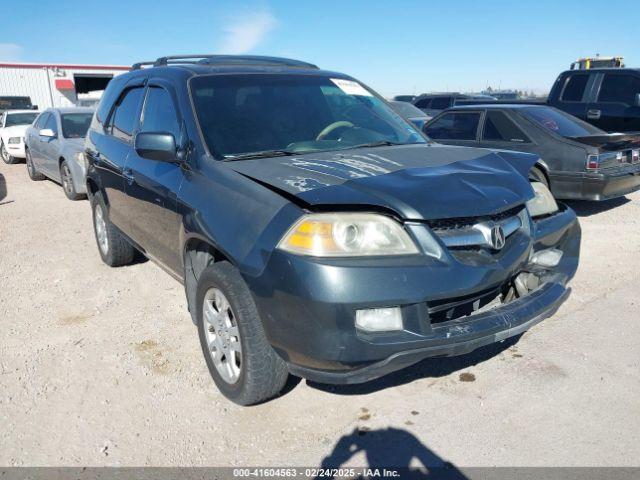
(316,229)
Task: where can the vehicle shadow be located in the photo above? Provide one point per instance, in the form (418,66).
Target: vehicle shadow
(392,449)
(428,368)
(586,208)
(3,187)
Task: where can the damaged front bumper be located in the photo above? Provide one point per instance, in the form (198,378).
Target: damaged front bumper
(308,307)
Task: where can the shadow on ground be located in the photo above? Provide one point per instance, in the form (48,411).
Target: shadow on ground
(391,449)
(428,368)
(3,187)
(586,209)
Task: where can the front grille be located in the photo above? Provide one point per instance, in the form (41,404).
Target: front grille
(462,222)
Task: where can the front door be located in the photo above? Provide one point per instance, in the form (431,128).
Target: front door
(152,186)
(455,128)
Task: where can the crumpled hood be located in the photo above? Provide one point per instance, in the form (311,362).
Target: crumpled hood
(15,131)
(419,182)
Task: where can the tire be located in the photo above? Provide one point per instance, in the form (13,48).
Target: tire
(114,249)
(537,175)
(261,373)
(34,174)
(6,156)
(66,178)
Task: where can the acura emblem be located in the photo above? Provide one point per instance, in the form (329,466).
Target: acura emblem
(497,237)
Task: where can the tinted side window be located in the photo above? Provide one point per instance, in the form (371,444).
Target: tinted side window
(574,89)
(126,114)
(423,103)
(499,128)
(441,103)
(455,126)
(159,113)
(619,88)
(52,123)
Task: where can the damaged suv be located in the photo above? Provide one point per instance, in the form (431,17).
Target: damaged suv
(316,231)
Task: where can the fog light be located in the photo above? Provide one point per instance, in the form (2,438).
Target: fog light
(379,319)
(547,258)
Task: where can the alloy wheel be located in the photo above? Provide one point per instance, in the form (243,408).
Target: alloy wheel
(4,153)
(222,335)
(67,181)
(101,230)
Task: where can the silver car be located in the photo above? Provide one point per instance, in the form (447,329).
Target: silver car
(54,145)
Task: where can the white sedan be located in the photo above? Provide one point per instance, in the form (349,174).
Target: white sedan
(13,125)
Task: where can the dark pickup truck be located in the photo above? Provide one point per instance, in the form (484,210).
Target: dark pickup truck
(608,98)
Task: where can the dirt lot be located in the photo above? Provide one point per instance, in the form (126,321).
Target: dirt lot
(102,366)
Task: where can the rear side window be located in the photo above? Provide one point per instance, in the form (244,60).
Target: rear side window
(499,128)
(423,103)
(574,88)
(455,126)
(159,113)
(619,88)
(441,103)
(125,116)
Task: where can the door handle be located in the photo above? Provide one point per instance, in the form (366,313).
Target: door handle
(594,114)
(127,173)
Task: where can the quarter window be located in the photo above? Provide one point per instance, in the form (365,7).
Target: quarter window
(499,128)
(619,88)
(159,113)
(124,118)
(574,89)
(455,126)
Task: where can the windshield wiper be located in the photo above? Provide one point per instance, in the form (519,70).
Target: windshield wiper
(381,143)
(260,154)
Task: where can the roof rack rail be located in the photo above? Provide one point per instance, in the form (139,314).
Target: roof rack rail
(222,60)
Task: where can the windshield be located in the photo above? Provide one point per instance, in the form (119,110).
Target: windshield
(14,119)
(285,114)
(76,125)
(559,122)
(407,110)
(15,103)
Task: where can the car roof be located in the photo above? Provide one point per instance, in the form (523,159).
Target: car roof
(63,110)
(25,110)
(606,69)
(497,106)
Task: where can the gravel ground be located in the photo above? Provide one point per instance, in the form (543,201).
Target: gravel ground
(102,366)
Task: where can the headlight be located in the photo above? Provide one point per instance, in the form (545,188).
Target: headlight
(14,140)
(543,203)
(347,235)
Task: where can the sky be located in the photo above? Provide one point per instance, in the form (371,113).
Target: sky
(395,47)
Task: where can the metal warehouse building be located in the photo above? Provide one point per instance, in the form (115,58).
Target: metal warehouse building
(56,85)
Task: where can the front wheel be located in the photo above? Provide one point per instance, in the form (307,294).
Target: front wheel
(67,182)
(34,174)
(240,359)
(114,249)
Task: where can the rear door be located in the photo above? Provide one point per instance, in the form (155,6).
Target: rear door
(49,148)
(615,108)
(112,149)
(573,93)
(455,128)
(151,186)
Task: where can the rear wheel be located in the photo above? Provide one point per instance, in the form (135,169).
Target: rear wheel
(67,182)
(240,359)
(114,249)
(6,156)
(537,175)
(34,174)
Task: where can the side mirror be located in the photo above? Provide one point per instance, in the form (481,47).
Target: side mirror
(156,146)
(47,132)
